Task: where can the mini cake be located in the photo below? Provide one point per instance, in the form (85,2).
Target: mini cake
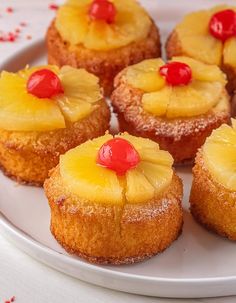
(176,104)
(213,193)
(212,41)
(115,200)
(102,36)
(45,111)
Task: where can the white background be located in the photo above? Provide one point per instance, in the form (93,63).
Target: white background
(21,276)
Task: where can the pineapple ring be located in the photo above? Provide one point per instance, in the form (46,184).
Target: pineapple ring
(219,154)
(196,42)
(75,26)
(194,99)
(152,175)
(21,111)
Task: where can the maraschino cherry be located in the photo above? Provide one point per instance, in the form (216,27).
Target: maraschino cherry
(102,10)
(118,155)
(176,73)
(222,25)
(44,83)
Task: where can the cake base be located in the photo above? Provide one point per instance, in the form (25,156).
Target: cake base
(27,157)
(212,205)
(114,234)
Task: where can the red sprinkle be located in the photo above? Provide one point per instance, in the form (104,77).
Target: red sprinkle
(53,6)
(8,37)
(13,299)
(23,24)
(28,37)
(17,30)
(9,10)
(11,37)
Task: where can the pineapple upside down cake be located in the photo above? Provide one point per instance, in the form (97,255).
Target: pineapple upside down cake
(102,36)
(213,193)
(212,41)
(176,104)
(115,200)
(45,111)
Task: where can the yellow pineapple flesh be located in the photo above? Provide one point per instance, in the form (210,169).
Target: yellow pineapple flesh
(203,48)
(229,54)
(195,99)
(163,100)
(196,42)
(140,143)
(21,111)
(219,154)
(145,75)
(163,158)
(83,177)
(187,27)
(80,84)
(78,2)
(73,109)
(159,176)
(81,92)
(96,184)
(202,71)
(138,188)
(157,102)
(74,25)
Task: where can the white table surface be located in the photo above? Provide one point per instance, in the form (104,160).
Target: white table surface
(20,275)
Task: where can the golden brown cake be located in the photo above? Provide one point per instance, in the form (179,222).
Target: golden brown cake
(178,115)
(44,112)
(82,36)
(115,200)
(212,41)
(213,193)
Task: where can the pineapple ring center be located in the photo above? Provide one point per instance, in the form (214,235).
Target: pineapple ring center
(176,73)
(118,155)
(44,83)
(222,25)
(102,10)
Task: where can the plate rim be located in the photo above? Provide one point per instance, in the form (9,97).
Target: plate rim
(198,287)
(12,230)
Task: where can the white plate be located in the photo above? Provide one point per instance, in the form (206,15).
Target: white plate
(199,264)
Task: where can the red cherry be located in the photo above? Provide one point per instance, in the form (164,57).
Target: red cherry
(102,10)
(223,25)
(119,155)
(44,84)
(176,73)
